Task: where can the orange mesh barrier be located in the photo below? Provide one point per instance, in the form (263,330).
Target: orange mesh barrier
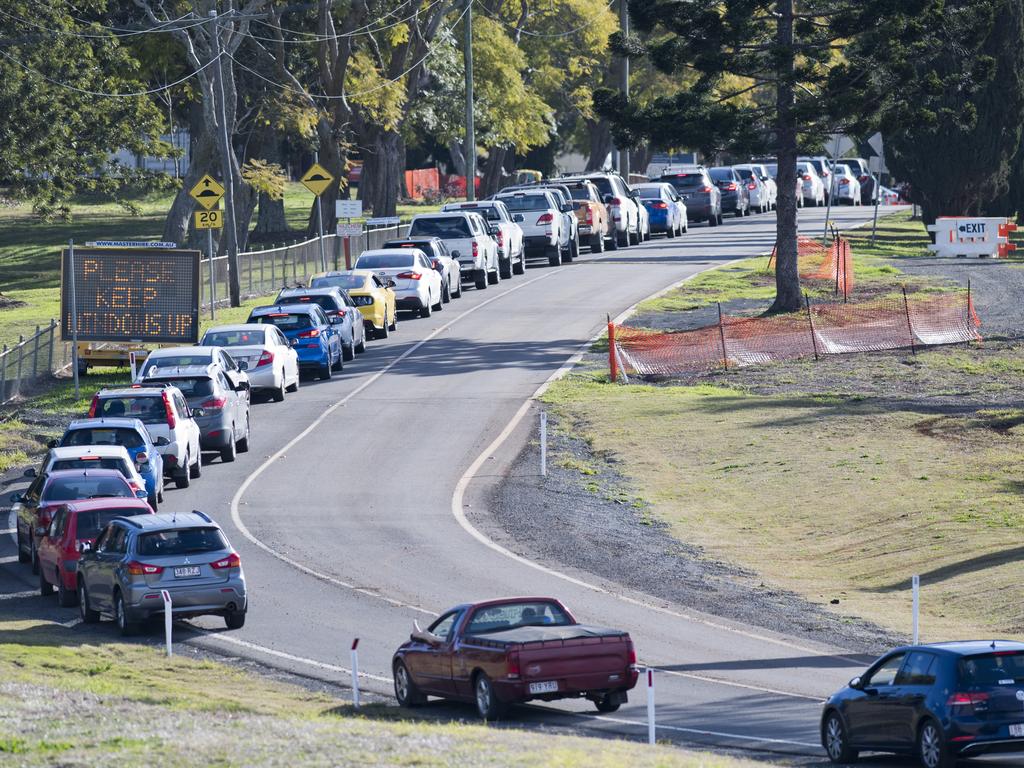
(818,262)
(823,329)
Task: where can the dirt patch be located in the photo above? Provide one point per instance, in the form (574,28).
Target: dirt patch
(6,302)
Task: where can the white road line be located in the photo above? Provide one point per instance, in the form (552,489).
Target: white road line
(236,515)
(70,624)
(12,523)
(18,595)
(6,560)
(11,531)
(702,732)
(732,684)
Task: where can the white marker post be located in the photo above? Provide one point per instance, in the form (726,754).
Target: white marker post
(915,583)
(131,363)
(168,619)
(650,706)
(544,443)
(355,673)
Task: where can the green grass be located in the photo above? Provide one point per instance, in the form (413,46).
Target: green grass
(829,495)
(74,698)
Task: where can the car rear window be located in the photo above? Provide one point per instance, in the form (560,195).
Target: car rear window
(603,185)
(192,386)
(235,338)
(447,228)
(326,302)
(338,281)
(527,202)
(999,668)
(489,211)
(286,321)
(93,521)
(147,408)
(386,261)
(685,180)
(580,193)
(96,462)
(181,541)
(721,174)
(650,193)
(174,361)
(71,488)
(129,438)
(745,173)
(528,613)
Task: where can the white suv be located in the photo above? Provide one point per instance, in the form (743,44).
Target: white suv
(504,229)
(623,208)
(164,411)
(544,227)
(465,234)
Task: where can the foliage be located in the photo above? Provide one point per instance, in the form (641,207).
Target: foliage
(268,178)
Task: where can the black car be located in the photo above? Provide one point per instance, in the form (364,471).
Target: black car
(938,702)
(735,198)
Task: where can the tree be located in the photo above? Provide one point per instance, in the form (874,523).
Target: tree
(788,55)
(955,126)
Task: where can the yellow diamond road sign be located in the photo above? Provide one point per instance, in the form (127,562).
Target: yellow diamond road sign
(207,192)
(317,179)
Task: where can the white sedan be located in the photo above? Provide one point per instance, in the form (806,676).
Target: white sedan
(846,186)
(416,283)
(263,352)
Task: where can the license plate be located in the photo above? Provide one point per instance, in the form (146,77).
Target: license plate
(1017,729)
(189,572)
(546,687)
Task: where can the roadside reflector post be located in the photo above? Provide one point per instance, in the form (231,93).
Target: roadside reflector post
(650,706)
(613,361)
(544,443)
(355,673)
(132,364)
(168,619)
(915,585)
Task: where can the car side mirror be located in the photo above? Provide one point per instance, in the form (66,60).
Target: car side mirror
(568,207)
(198,412)
(855,683)
(337,319)
(83,547)
(161,441)
(391,284)
(51,444)
(518,218)
(16,497)
(40,531)
(30,472)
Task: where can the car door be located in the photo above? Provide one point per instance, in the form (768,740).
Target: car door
(109,552)
(49,545)
(189,426)
(234,402)
(25,508)
(870,716)
(913,684)
(434,663)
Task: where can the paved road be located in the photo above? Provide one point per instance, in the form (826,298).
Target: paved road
(343,511)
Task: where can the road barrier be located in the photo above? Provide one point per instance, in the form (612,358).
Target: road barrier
(912,321)
(972,236)
(818,262)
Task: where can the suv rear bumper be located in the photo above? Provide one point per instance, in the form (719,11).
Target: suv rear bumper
(219,599)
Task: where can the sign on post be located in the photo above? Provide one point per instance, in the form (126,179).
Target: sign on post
(131,294)
(207,192)
(350,230)
(348,209)
(212,219)
(384,221)
(317,179)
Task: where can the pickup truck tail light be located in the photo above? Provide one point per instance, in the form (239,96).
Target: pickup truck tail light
(94,406)
(476,250)
(409,276)
(588,214)
(806,177)
(231,561)
(136,568)
(751,186)
(631,650)
(513,664)
(265,359)
(501,239)
(545,218)
(169,411)
(844,182)
(705,190)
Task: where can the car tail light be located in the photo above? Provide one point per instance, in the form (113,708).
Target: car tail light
(136,568)
(971,701)
(339,312)
(409,276)
(806,177)
(660,206)
(843,182)
(214,403)
(730,186)
(231,561)
(545,218)
(615,201)
(513,663)
(751,186)
(169,410)
(476,249)
(265,359)
(312,333)
(588,214)
(94,406)
(632,654)
(501,238)
(141,458)
(705,190)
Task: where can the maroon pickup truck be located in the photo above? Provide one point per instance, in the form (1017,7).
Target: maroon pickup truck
(503,652)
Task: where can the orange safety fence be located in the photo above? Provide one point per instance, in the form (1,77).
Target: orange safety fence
(822,329)
(815,261)
(423,182)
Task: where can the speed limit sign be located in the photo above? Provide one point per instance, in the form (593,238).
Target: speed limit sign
(209,219)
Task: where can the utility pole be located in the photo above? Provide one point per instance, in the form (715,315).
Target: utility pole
(470,132)
(624,83)
(227,168)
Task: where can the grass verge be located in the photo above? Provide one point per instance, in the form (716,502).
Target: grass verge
(69,698)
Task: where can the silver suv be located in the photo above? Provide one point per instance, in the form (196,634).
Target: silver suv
(135,558)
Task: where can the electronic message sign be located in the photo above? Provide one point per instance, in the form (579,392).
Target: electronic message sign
(132,294)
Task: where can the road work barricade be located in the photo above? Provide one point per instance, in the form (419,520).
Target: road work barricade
(831,263)
(822,329)
(972,236)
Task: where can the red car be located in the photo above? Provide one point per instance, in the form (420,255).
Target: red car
(503,652)
(72,525)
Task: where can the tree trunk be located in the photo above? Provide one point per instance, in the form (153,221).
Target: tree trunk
(458,157)
(382,171)
(494,171)
(177,225)
(600,144)
(270,221)
(787,274)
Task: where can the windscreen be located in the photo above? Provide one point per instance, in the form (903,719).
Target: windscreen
(528,613)
(174,361)
(386,261)
(685,180)
(448,228)
(129,438)
(1000,668)
(286,321)
(527,203)
(183,541)
(192,386)
(85,487)
(819,166)
(97,462)
(338,281)
(249,338)
(149,409)
(90,523)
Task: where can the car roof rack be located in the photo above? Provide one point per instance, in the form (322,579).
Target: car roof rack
(128,520)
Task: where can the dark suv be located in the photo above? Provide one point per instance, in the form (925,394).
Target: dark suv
(939,702)
(735,198)
(702,197)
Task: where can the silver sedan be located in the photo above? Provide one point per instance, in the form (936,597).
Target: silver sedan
(263,352)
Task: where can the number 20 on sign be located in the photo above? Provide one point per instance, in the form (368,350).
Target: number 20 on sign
(209,219)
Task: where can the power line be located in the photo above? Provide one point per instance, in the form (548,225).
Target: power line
(367,29)
(115,32)
(567,33)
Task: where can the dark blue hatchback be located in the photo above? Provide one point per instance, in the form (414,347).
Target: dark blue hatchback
(938,702)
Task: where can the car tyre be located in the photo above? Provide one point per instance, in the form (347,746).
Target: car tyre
(574,249)
(446,293)
(183,478)
(294,387)
(125,627)
(597,244)
(613,242)
(383,332)
(361,346)
(327,371)
(505,268)
(243,444)
(608,703)
(349,352)
(45,587)
(622,239)
(87,614)
(339,364)
(833,738)
(228,452)
(554,256)
(197,468)
(519,267)
(406,692)
(713,221)
(66,598)
(426,310)
(487,703)
(278,394)
(153,502)
(670,232)
(493,278)
(394,321)
(439,306)
(23,556)
(932,751)
(235,620)
(480,280)
(33,555)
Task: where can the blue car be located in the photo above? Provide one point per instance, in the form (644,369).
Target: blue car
(310,333)
(133,435)
(939,702)
(665,208)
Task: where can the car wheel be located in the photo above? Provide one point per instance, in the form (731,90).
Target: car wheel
(243,444)
(278,394)
(670,232)
(505,268)
(480,280)
(574,249)
(197,469)
(361,346)
(66,598)
(833,738)
(426,309)
(519,267)
(87,614)
(597,244)
(183,478)
(383,332)
(294,387)
(339,364)
(394,321)
(493,278)
(45,587)
(931,747)
(607,703)
(33,555)
(327,371)
(235,620)
(446,293)
(126,627)
(634,237)
(349,352)
(439,306)
(554,255)
(227,453)
(160,493)
(721,219)
(153,502)
(406,692)
(487,703)
(23,556)
(713,221)
(613,242)
(623,239)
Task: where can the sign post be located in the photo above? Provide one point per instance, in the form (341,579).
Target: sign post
(74,313)
(208,192)
(317,179)
(348,209)
(213,274)
(651,733)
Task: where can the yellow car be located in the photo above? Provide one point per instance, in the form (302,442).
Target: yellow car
(375,299)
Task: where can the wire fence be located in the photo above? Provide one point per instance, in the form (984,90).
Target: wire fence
(820,263)
(30,359)
(832,328)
